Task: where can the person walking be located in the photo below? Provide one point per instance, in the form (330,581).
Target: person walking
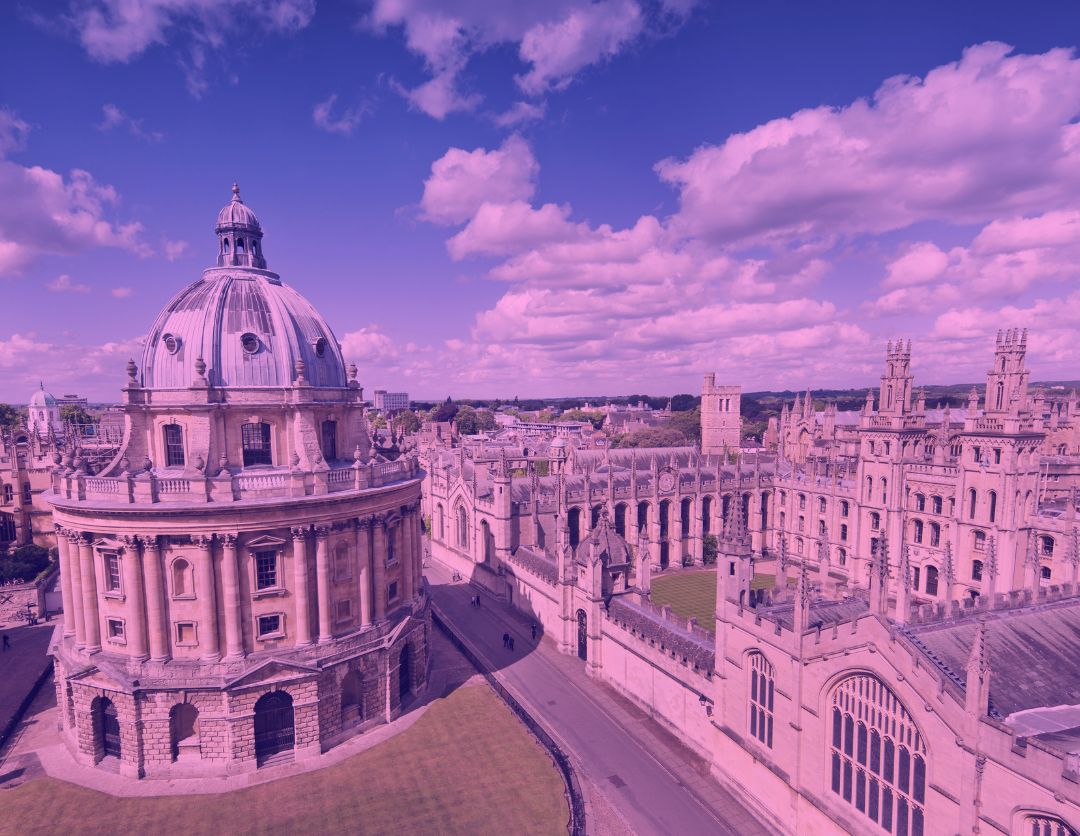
(534,631)
(506,640)
(7,642)
(511,643)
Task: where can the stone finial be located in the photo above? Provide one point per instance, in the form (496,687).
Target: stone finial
(147,464)
(199,463)
(300,367)
(200,368)
(294,460)
(125,466)
(352,371)
(991,565)
(133,374)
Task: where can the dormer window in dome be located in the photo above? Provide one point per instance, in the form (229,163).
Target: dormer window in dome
(320,347)
(250,343)
(172,343)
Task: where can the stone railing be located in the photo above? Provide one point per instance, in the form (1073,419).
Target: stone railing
(148,487)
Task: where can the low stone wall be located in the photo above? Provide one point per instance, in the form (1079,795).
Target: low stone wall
(13,600)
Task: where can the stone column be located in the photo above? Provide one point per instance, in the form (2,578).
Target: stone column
(300,578)
(72,538)
(408,567)
(208,622)
(230,604)
(135,629)
(363,562)
(418,531)
(88,579)
(322,579)
(698,533)
(65,581)
(378,562)
(155,599)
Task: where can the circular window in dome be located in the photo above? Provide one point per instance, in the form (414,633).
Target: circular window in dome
(172,344)
(250,343)
(320,347)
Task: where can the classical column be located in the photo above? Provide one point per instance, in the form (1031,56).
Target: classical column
(418,540)
(208,622)
(72,538)
(363,562)
(155,599)
(65,581)
(322,579)
(135,629)
(230,593)
(89,593)
(406,543)
(300,577)
(378,561)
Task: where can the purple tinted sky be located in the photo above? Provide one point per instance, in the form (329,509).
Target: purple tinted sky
(572,197)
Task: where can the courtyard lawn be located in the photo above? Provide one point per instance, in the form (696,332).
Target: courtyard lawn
(693,594)
(467,766)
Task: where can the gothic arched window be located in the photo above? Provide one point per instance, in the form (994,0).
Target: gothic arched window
(917,530)
(761,699)
(1046,546)
(463,527)
(976,570)
(935,504)
(971,504)
(931,580)
(935,534)
(1038,824)
(920,502)
(993,505)
(877,756)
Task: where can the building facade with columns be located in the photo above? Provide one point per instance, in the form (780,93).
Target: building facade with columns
(242,581)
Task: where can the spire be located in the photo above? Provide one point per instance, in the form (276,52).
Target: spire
(948,569)
(879,577)
(977,684)
(1033,563)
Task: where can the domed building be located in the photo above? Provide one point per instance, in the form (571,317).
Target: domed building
(43,414)
(242,582)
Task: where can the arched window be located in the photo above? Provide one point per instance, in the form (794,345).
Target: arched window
(884,489)
(821,528)
(971,504)
(993,506)
(761,699)
(917,530)
(841,555)
(1045,573)
(488,542)
(329,440)
(843,531)
(239,246)
(869,487)
(979,541)
(875,520)
(463,527)
(931,580)
(920,502)
(976,570)
(877,756)
(935,534)
(225,245)
(255,439)
(844,507)
(935,504)
(181,579)
(1038,824)
(1046,546)
(802,501)
(821,505)
(440,522)
(573,525)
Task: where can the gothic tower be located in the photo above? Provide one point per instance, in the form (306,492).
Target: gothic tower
(721,422)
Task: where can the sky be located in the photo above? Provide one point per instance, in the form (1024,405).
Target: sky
(578,197)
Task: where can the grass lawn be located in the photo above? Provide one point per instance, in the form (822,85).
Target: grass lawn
(693,594)
(467,766)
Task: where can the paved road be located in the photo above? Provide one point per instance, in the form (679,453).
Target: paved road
(655,783)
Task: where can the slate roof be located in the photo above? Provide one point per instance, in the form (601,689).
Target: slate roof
(700,651)
(823,613)
(1034,653)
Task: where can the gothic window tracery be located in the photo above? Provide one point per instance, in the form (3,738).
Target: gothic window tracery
(761,699)
(1038,824)
(877,756)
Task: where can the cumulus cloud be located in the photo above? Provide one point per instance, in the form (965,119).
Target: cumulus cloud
(174,249)
(343,124)
(555,41)
(121,292)
(461,181)
(113,118)
(519,113)
(121,30)
(13,132)
(990,134)
(64,284)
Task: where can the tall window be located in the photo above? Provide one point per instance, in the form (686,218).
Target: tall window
(1046,546)
(917,530)
(976,570)
(844,508)
(993,506)
(821,505)
(920,502)
(935,534)
(979,541)
(266,574)
(181,578)
(256,441)
(877,755)
(463,527)
(329,440)
(935,503)
(875,520)
(931,580)
(971,504)
(112,572)
(174,445)
(843,531)
(761,699)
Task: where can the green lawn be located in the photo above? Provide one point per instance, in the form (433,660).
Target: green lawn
(467,766)
(693,594)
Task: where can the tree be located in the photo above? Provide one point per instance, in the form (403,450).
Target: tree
(653,437)
(595,418)
(75,413)
(684,403)
(709,549)
(447,411)
(485,421)
(9,416)
(466,422)
(688,423)
(406,422)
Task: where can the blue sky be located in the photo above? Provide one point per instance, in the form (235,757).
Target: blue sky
(688,187)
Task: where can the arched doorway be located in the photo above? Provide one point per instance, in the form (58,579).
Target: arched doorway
(275,730)
(405,682)
(489,541)
(582,635)
(183,724)
(106,727)
(352,699)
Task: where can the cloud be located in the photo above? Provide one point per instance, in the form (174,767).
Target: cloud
(64,284)
(19,351)
(121,292)
(120,30)
(174,249)
(519,113)
(13,132)
(368,346)
(43,211)
(113,117)
(990,134)
(461,181)
(555,41)
(344,124)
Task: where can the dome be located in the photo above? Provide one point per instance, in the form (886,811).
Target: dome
(236,214)
(42,398)
(249,329)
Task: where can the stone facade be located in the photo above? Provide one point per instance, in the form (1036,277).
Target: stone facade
(252,596)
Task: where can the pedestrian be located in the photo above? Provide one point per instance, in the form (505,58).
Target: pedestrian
(506,640)
(511,643)
(478,602)
(534,632)
(7,642)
